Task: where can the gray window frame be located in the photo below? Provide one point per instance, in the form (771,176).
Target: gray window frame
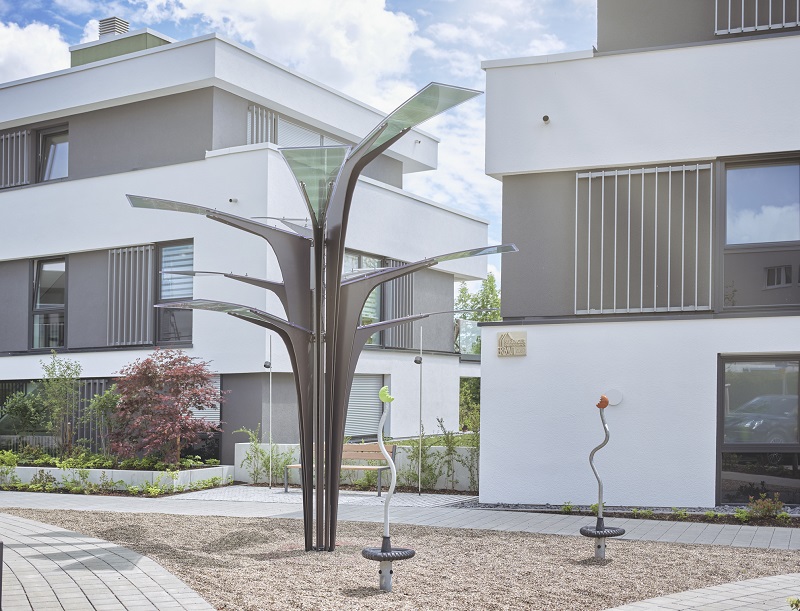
(158,341)
(41,136)
(34,310)
(379,335)
(744,448)
(723,248)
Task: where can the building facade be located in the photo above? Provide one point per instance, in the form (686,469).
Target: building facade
(652,186)
(201,121)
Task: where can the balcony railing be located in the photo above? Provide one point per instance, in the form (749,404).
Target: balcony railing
(738,16)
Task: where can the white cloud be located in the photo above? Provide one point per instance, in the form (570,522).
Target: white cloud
(91,31)
(356,46)
(75,7)
(34,49)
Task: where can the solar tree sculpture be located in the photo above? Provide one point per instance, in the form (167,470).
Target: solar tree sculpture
(321,330)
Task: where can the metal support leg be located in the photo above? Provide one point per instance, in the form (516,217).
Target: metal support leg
(380,471)
(385,573)
(600,548)
(286,479)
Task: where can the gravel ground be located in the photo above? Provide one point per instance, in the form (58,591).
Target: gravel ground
(259,563)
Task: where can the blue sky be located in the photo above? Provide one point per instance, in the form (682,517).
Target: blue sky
(379,51)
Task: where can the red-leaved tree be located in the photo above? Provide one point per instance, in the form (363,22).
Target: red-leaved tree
(156,398)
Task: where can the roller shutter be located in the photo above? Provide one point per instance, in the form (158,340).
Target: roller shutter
(364,407)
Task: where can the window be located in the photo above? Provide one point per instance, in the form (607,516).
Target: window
(355,262)
(174,325)
(53,154)
(265,125)
(779,276)
(14,158)
(49,303)
(763,203)
(762,234)
(758,428)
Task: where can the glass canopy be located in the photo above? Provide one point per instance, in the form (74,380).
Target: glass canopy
(477,252)
(316,169)
(431,100)
(164,204)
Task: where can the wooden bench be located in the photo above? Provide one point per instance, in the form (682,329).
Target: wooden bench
(354,451)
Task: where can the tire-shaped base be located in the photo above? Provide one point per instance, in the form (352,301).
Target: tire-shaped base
(595,533)
(396,553)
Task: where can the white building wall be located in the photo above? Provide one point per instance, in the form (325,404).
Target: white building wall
(635,109)
(440,385)
(539,421)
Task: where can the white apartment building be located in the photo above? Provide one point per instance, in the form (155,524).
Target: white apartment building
(200,121)
(652,186)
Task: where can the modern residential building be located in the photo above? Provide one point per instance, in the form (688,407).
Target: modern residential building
(652,186)
(201,121)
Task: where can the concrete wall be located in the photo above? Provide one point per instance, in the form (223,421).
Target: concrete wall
(433,292)
(149,134)
(15,304)
(87,299)
(539,217)
(539,423)
(639,24)
(637,109)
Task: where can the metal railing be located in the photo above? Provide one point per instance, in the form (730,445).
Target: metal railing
(739,16)
(643,240)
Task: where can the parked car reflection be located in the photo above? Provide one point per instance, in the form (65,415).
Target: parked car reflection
(764,419)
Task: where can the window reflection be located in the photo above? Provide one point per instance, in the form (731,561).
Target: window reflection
(760,402)
(763,204)
(54,151)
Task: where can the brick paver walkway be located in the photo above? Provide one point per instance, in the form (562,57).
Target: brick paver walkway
(48,568)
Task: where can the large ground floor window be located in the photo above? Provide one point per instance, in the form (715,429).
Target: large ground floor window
(758,434)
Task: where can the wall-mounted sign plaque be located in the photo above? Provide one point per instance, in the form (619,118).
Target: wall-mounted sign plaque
(512,344)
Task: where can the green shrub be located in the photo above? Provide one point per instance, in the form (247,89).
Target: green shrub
(642,514)
(679,514)
(256,459)
(8,458)
(594,507)
(794,603)
(765,507)
(784,518)
(742,514)
(43,482)
(212,462)
(567,507)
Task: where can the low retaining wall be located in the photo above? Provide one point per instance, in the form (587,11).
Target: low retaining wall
(133,478)
(402,462)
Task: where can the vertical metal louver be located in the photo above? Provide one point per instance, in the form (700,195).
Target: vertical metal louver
(260,124)
(399,302)
(364,408)
(739,16)
(89,429)
(644,240)
(14,158)
(210,414)
(131,295)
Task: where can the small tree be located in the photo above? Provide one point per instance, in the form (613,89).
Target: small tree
(60,389)
(156,398)
(100,413)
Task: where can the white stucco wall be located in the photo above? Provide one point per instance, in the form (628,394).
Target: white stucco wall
(658,106)
(539,423)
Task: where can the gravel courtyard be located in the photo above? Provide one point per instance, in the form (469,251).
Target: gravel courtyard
(259,563)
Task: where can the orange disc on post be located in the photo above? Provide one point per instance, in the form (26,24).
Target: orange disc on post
(603,402)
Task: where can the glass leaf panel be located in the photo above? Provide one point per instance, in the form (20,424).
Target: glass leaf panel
(431,100)
(316,170)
